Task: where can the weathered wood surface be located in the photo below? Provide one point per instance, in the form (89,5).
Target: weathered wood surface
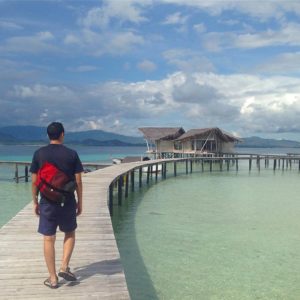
(96,259)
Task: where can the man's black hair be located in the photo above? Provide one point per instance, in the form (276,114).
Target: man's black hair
(54,130)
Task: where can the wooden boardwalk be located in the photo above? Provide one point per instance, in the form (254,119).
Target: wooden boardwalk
(96,259)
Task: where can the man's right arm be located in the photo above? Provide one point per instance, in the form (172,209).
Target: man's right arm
(34,192)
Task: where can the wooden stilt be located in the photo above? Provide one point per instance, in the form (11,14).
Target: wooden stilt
(17,174)
(132,180)
(126,184)
(140,176)
(274,164)
(111,197)
(120,185)
(148,174)
(26,174)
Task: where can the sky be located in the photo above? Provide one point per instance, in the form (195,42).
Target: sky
(118,65)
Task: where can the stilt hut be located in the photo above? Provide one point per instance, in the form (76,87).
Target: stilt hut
(206,140)
(160,140)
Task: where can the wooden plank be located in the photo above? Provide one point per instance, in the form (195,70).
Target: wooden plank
(96,259)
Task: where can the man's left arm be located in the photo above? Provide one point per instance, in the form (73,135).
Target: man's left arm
(79,193)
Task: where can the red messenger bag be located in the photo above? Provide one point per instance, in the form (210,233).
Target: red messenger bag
(53,183)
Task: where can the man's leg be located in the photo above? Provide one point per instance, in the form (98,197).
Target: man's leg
(69,243)
(49,253)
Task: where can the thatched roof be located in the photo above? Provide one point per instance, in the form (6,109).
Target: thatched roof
(206,132)
(162,133)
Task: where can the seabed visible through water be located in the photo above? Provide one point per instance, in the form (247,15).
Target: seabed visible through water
(213,235)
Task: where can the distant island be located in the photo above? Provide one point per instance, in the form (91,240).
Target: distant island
(257,142)
(36,135)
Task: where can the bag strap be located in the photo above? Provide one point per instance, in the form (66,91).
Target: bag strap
(43,181)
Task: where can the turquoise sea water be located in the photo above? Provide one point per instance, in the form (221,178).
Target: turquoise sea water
(13,197)
(219,235)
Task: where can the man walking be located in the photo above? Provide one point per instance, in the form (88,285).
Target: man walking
(56,214)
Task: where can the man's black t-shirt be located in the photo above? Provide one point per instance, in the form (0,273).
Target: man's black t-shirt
(64,158)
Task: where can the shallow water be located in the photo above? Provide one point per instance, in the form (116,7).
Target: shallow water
(13,197)
(218,235)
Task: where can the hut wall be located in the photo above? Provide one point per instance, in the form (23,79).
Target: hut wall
(165,146)
(227,147)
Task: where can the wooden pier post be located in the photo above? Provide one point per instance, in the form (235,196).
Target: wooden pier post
(274,164)
(140,176)
(191,165)
(148,174)
(26,174)
(126,184)
(132,180)
(228,163)
(265,162)
(175,169)
(156,171)
(120,185)
(186,166)
(250,163)
(221,164)
(202,165)
(210,165)
(236,164)
(111,197)
(17,174)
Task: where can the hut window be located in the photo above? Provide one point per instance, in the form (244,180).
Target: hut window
(177,145)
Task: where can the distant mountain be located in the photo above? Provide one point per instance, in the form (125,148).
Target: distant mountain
(33,134)
(100,135)
(257,142)
(6,137)
(25,133)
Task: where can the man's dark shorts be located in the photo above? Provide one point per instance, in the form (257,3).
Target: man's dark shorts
(53,215)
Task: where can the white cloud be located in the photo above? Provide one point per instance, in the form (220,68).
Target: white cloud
(10,25)
(97,44)
(175,19)
(287,35)
(83,69)
(200,28)
(122,11)
(285,63)
(246,103)
(266,10)
(188,60)
(45,36)
(146,65)
(39,43)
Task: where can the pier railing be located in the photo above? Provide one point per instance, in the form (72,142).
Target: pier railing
(127,179)
(25,165)
(224,162)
